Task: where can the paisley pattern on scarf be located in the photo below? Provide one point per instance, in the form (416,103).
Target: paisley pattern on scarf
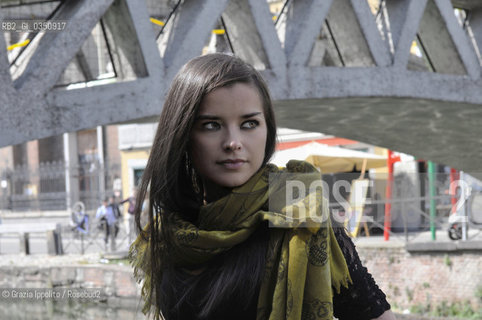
(315,309)
(317,254)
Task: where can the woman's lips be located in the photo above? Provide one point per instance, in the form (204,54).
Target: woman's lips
(232,163)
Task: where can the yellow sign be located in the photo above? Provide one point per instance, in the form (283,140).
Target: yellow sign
(158,22)
(18,45)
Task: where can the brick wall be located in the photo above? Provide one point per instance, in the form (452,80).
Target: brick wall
(117,281)
(425,278)
(406,278)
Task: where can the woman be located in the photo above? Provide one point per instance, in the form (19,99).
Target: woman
(220,243)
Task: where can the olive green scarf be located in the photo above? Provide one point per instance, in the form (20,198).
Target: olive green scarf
(304,262)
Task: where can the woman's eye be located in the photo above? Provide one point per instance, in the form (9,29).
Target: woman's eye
(211,126)
(250,124)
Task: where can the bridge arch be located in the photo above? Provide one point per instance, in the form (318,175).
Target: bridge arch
(335,66)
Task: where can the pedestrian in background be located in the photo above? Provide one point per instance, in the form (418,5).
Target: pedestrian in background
(80,219)
(130,213)
(100,214)
(110,213)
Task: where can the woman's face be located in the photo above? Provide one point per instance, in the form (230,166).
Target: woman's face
(228,138)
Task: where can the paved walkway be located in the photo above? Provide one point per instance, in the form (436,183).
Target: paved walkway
(422,241)
(71,243)
(45,260)
(94,243)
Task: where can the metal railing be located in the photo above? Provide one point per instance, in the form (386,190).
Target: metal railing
(93,238)
(43,188)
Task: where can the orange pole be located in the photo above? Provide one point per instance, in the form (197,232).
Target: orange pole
(388,197)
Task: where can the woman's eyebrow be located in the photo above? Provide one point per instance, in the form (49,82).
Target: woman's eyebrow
(249,115)
(207,117)
(213,117)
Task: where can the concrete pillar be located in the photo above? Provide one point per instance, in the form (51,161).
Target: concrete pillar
(24,243)
(54,241)
(71,169)
(100,154)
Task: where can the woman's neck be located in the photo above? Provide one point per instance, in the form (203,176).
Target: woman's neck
(213,192)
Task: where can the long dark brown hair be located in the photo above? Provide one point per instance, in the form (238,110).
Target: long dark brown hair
(166,180)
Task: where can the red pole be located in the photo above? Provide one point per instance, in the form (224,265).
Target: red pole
(454,176)
(388,197)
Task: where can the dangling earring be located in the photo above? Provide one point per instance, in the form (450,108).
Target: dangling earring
(191,172)
(195,183)
(187,163)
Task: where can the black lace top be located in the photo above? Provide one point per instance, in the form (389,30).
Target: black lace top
(362,300)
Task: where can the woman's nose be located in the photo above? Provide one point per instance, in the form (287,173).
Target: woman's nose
(232,142)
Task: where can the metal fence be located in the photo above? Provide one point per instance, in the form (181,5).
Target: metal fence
(93,237)
(42,188)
